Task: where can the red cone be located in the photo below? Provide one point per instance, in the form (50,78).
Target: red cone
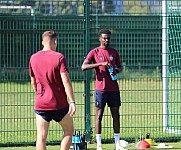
(143,144)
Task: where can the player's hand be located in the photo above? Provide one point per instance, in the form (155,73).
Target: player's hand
(72,109)
(113,73)
(107,64)
(104,63)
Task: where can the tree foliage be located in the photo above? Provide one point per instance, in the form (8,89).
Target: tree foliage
(76,7)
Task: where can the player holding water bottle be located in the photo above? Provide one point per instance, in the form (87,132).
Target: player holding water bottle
(106,61)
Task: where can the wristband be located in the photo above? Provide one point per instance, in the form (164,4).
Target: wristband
(72,102)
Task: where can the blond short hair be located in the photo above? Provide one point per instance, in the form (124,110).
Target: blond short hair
(50,35)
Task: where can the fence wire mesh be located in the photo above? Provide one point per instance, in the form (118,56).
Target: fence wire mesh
(136,27)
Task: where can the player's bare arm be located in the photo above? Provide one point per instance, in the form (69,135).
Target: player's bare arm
(69,91)
(89,65)
(33,83)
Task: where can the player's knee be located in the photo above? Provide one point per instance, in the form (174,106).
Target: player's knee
(69,132)
(116,115)
(41,139)
(99,116)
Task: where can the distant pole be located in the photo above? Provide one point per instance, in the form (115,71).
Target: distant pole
(103,6)
(165,62)
(51,7)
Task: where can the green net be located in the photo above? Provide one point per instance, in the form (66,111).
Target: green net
(174,72)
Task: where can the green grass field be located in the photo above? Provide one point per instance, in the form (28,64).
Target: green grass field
(141,111)
(176,146)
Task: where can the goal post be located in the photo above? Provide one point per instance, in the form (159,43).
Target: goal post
(171,62)
(165,62)
(19,7)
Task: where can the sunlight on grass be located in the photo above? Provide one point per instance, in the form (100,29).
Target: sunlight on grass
(141,111)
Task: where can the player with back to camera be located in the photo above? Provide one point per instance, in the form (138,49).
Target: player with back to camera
(107,91)
(50,80)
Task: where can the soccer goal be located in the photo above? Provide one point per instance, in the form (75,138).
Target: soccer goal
(171,58)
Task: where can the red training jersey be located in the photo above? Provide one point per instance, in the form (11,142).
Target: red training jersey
(103,79)
(46,67)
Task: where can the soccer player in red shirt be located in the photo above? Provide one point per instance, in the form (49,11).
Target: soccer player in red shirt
(107,91)
(50,80)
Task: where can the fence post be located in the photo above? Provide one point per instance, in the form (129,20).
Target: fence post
(87,73)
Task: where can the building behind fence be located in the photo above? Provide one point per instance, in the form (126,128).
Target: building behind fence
(137,34)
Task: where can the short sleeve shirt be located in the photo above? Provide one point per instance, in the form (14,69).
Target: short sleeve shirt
(103,79)
(46,67)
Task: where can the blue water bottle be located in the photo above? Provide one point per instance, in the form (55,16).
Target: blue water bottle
(113,77)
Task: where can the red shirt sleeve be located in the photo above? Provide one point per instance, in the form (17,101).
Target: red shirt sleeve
(90,55)
(118,61)
(31,73)
(63,64)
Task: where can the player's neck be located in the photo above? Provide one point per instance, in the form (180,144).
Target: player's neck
(104,47)
(47,48)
